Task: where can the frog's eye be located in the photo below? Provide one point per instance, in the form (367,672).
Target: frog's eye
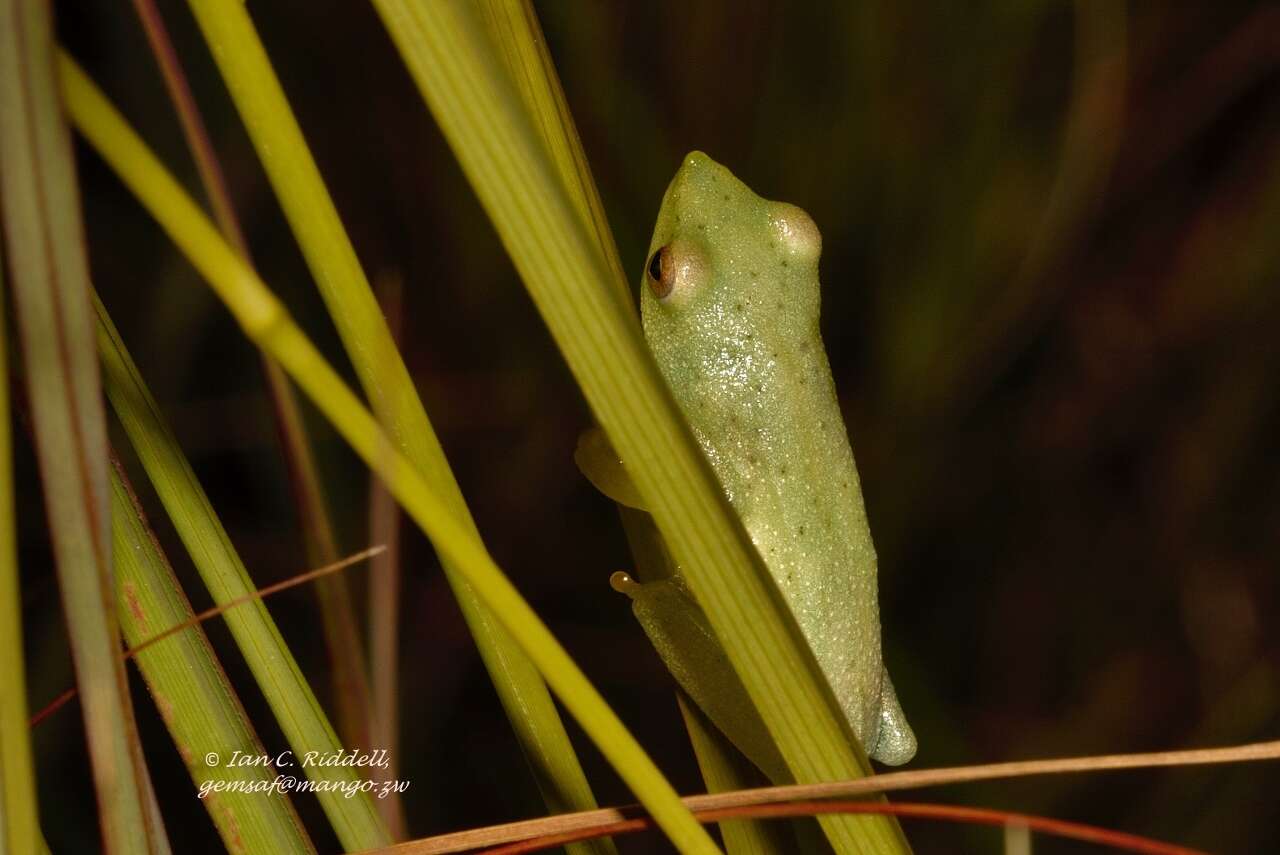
(662,272)
(675,271)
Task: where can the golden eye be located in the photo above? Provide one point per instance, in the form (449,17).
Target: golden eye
(676,271)
(662,272)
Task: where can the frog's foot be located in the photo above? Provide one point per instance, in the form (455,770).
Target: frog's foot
(896,742)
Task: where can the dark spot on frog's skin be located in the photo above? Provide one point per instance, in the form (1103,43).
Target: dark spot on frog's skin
(726,197)
(782,471)
(702,226)
(845,485)
(801,531)
(754,275)
(784,262)
(737,307)
(781,304)
(773,355)
(751,458)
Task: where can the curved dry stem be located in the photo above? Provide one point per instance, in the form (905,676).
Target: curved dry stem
(494,835)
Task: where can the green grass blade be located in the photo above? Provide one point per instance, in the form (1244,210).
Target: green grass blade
(355,820)
(350,682)
(19,825)
(267,323)
(41,212)
(384,603)
(443,47)
(368,342)
(724,769)
(191,691)
(514,28)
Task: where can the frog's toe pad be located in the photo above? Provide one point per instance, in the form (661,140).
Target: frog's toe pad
(896,741)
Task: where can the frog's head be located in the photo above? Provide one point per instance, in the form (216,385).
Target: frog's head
(718,249)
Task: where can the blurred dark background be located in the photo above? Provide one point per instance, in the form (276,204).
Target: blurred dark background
(1051,306)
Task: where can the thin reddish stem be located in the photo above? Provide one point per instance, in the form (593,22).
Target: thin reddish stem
(948,813)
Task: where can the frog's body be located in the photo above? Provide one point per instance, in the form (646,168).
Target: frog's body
(730,311)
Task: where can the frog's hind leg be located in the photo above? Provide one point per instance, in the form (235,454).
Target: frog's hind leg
(896,742)
(603,467)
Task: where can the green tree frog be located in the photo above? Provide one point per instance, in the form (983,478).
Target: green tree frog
(729,305)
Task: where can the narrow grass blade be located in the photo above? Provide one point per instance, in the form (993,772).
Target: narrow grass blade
(384,602)
(723,766)
(349,690)
(355,819)
(350,683)
(724,769)
(198,705)
(514,28)
(266,322)
(19,825)
(293,174)
(443,46)
(41,212)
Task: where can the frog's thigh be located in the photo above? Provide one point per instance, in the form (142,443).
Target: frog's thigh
(896,742)
(603,467)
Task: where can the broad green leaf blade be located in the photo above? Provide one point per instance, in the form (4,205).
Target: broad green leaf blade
(41,213)
(444,48)
(19,826)
(293,174)
(355,819)
(266,322)
(350,683)
(601,343)
(190,689)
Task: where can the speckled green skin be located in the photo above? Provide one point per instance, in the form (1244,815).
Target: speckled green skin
(737,340)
